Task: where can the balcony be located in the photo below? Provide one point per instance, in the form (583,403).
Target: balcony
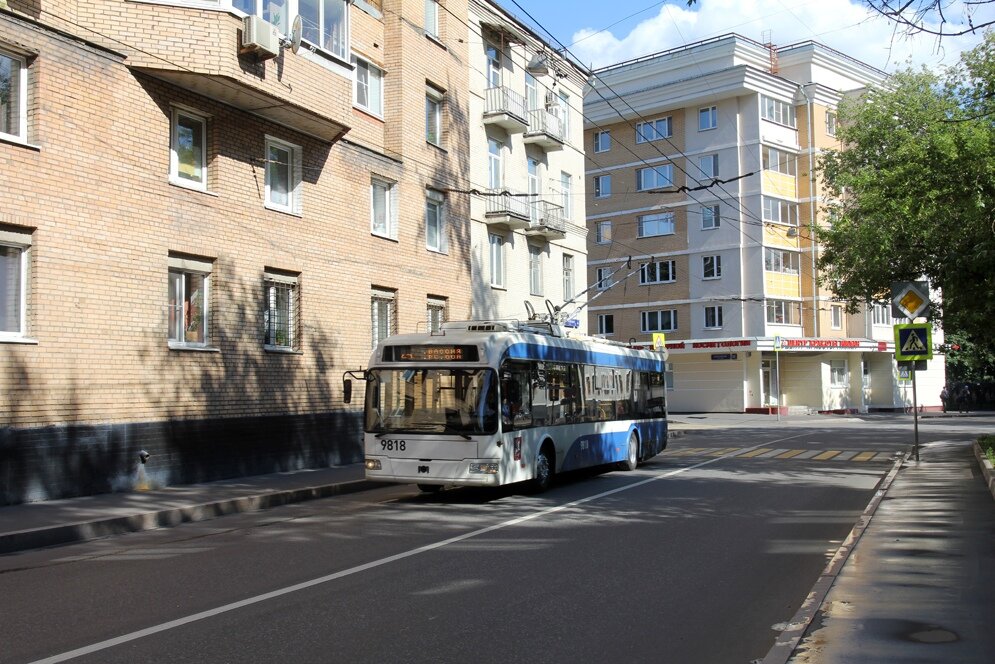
(546,221)
(505,108)
(504,207)
(545,130)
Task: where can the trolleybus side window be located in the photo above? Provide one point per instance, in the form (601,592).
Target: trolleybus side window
(516,406)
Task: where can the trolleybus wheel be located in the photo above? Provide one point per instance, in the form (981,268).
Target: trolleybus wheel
(632,458)
(430,488)
(543,470)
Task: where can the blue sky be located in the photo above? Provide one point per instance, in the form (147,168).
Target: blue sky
(645,26)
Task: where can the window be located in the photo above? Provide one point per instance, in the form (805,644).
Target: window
(831,120)
(497,260)
(531,91)
(606,324)
(432,18)
(535,270)
(881,314)
(784,312)
(188,309)
(383,314)
(604,277)
(603,232)
(368,88)
(653,130)
(779,160)
(281,311)
(654,178)
(383,208)
(563,104)
(435,311)
(14,252)
(325,22)
(493,65)
(713,317)
(658,272)
(710,217)
(566,189)
(711,267)
(283,176)
(780,211)
(777,111)
(779,260)
(568,277)
(602,186)
(435,222)
(838,374)
(495,174)
(188,152)
(602,141)
(433,115)
(836,316)
(13,97)
(651,225)
(709,166)
(708,118)
(658,321)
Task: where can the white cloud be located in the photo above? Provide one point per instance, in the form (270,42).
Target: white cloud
(847,27)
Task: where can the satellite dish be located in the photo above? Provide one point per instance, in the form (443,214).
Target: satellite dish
(295,34)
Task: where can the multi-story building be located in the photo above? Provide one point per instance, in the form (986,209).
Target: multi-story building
(526,170)
(701,209)
(207,217)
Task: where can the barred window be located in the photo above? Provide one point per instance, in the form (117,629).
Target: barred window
(383,314)
(281,311)
(436,311)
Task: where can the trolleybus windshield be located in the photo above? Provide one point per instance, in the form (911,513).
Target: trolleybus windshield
(432,400)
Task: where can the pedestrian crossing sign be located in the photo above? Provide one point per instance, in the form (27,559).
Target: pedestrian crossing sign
(914,341)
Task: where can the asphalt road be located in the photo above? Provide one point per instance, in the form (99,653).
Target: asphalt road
(697,556)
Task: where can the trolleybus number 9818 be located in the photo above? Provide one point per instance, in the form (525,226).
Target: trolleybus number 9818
(390,445)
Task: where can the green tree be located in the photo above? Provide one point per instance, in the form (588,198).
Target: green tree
(913,194)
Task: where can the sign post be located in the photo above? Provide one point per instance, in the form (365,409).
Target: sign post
(914,342)
(777,375)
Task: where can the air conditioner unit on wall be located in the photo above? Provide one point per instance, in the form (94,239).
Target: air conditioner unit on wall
(260,37)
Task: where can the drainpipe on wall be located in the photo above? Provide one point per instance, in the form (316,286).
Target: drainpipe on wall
(811,207)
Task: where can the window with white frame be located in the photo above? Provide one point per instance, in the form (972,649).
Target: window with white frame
(602,141)
(495,172)
(603,232)
(779,160)
(433,115)
(658,272)
(654,130)
(713,317)
(281,312)
(710,217)
(838,374)
(781,260)
(606,324)
(188,149)
(784,312)
(831,120)
(15,247)
(568,277)
(531,91)
(497,260)
(283,176)
(368,86)
(664,320)
(436,309)
(563,104)
(711,267)
(432,18)
(383,314)
(435,220)
(777,111)
(535,270)
(836,316)
(325,23)
(604,275)
(188,289)
(709,166)
(383,207)
(602,186)
(13,96)
(656,177)
(881,314)
(493,65)
(780,211)
(652,225)
(566,194)
(708,118)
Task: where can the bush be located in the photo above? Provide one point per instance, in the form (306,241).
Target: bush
(987,444)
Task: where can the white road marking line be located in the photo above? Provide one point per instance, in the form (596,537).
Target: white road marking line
(210,613)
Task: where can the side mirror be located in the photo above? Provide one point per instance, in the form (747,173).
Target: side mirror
(347,390)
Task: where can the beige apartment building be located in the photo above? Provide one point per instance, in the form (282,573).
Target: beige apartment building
(205,222)
(701,203)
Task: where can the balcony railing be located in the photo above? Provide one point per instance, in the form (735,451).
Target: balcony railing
(506,108)
(545,130)
(547,220)
(504,207)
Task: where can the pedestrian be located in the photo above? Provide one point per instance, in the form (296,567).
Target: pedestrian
(964,399)
(944,397)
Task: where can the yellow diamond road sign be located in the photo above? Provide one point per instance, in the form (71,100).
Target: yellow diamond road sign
(910,298)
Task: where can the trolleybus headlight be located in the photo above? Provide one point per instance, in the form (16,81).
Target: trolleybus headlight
(373,464)
(485,468)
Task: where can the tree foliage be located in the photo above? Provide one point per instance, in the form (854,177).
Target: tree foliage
(942,18)
(914,195)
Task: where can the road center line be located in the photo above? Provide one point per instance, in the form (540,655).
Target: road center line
(210,613)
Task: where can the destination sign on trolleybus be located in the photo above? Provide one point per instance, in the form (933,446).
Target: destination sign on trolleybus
(431,353)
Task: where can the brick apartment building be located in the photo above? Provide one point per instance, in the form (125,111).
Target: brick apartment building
(198,237)
(701,202)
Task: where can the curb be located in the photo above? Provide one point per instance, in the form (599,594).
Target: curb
(986,468)
(71,533)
